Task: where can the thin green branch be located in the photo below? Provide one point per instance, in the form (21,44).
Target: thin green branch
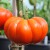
(34,7)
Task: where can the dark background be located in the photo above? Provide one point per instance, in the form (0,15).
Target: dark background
(5,42)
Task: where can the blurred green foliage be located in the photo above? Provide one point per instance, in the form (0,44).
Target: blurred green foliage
(6,4)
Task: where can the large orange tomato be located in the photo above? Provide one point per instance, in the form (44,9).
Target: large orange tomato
(22,31)
(4,15)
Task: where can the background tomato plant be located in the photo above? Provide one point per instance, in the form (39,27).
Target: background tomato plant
(5,4)
(4,15)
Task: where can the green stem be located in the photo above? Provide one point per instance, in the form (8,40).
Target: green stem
(19,7)
(48,5)
(34,7)
(26,14)
(17,3)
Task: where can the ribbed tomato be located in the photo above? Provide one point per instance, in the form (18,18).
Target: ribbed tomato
(44,26)
(6,26)
(22,31)
(4,15)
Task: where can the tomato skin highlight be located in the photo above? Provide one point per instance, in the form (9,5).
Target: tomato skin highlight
(44,26)
(24,32)
(12,29)
(4,16)
(6,26)
(36,30)
(8,22)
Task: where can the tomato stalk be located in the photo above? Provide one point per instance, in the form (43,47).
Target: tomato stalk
(20,7)
(26,14)
(34,7)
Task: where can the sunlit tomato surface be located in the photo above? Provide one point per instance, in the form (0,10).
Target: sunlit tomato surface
(6,26)
(22,31)
(4,15)
(44,27)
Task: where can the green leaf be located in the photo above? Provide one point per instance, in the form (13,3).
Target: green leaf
(5,1)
